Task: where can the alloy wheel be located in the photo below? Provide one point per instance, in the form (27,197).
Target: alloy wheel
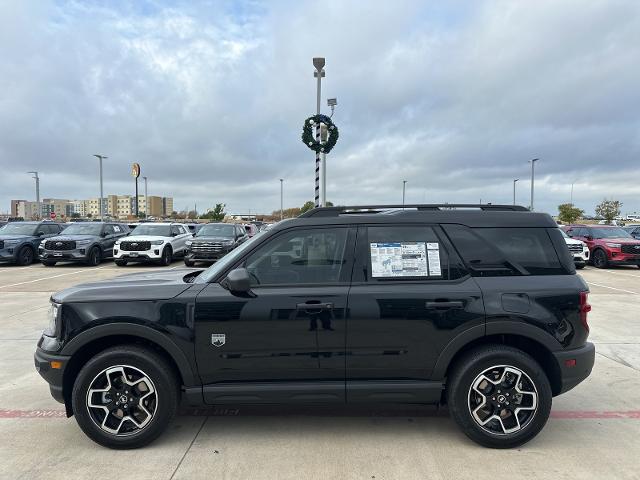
(122,400)
(502,400)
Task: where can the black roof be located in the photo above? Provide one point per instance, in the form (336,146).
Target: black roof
(464,214)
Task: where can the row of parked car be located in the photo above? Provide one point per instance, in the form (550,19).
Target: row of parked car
(92,242)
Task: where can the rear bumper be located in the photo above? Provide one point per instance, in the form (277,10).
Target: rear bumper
(53,376)
(572,373)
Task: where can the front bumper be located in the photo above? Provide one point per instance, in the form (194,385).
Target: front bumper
(206,256)
(53,376)
(575,365)
(8,254)
(76,255)
(155,253)
(619,258)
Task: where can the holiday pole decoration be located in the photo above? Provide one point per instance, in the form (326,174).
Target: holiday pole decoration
(315,145)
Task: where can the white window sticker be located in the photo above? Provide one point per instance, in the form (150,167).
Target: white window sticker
(433,256)
(399,259)
(116,228)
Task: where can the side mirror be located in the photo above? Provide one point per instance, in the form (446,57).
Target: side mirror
(40,234)
(104,234)
(238,281)
(588,237)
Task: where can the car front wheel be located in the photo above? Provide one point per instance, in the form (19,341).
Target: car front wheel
(167,257)
(499,396)
(125,397)
(600,259)
(25,256)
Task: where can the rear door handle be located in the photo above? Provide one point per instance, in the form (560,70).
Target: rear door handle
(456,304)
(314,307)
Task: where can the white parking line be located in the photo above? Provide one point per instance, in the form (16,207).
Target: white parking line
(49,278)
(613,288)
(621,273)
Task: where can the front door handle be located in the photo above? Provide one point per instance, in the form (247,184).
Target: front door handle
(455,304)
(315,307)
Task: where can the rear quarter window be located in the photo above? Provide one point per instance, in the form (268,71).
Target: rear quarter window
(511,251)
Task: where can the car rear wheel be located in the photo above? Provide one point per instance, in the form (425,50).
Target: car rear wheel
(600,259)
(499,396)
(25,256)
(121,263)
(94,258)
(189,263)
(125,397)
(167,257)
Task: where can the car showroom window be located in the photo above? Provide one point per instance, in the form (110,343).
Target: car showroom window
(310,256)
(406,253)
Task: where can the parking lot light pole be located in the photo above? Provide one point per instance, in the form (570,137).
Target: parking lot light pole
(37,179)
(514,189)
(100,158)
(146,199)
(281,199)
(571,200)
(404,185)
(533,163)
(318,63)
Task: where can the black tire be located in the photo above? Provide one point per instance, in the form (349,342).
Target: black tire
(94,257)
(132,358)
(189,263)
(25,256)
(599,259)
(167,257)
(120,263)
(579,267)
(48,263)
(462,399)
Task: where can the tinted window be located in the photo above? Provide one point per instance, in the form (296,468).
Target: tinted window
(610,232)
(217,230)
(18,229)
(159,230)
(313,256)
(406,253)
(83,229)
(507,251)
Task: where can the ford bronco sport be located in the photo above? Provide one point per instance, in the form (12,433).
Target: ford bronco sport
(475,307)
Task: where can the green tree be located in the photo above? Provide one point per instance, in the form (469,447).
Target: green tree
(310,205)
(217,214)
(608,209)
(567,213)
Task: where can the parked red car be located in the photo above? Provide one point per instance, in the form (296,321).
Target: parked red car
(609,245)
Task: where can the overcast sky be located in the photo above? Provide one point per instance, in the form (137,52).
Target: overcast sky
(210,97)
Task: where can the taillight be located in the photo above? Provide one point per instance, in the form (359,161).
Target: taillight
(584,309)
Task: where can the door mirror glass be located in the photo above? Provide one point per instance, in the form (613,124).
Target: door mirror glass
(238,281)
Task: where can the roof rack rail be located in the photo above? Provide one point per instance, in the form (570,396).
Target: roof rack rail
(369,209)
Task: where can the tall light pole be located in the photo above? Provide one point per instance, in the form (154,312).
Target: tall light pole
(146,199)
(331,102)
(318,63)
(281,199)
(514,189)
(37,179)
(100,158)
(404,185)
(533,164)
(571,201)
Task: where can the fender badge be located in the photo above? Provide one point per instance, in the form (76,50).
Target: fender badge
(218,339)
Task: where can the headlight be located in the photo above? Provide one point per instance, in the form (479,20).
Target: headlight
(117,242)
(81,243)
(613,245)
(188,242)
(54,312)
(11,243)
(157,242)
(227,243)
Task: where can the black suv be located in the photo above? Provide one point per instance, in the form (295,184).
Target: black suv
(476,307)
(19,240)
(86,242)
(213,241)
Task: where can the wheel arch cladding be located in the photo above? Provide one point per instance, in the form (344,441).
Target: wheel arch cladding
(537,350)
(84,351)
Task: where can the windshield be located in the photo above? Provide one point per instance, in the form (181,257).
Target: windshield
(216,230)
(564,234)
(157,230)
(19,229)
(224,262)
(83,229)
(612,232)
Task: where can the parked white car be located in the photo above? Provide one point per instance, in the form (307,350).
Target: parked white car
(152,242)
(578,249)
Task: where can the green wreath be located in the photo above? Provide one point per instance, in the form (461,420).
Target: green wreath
(308,137)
